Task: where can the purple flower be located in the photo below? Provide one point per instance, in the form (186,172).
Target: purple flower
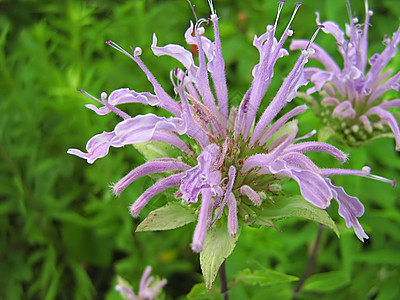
(148,288)
(353,97)
(230,158)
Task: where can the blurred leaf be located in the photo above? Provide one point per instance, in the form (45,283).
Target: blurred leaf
(390,289)
(383,256)
(199,292)
(170,216)
(327,281)
(262,277)
(218,246)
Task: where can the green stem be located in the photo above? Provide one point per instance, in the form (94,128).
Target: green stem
(223,281)
(311,262)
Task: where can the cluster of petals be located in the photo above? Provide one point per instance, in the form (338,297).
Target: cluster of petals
(211,177)
(357,90)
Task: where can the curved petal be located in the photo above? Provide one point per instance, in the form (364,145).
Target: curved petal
(251,194)
(203,221)
(332,28)
(141,128)
(158,187)
(319,79)
(228,190)
(177,52)
(343,110)
(312,185)
(232,215)
(349,208)
(319,54)
(150,167)
(125,95)
(318,147)
(286,93)
(199,176)
(390,120)
(281,122)
(97,147)
(390,104)
(101,111)
(382,60)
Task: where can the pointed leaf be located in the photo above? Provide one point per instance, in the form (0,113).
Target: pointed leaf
(262,277)
(170,216)
(296,206)
(217,247)
(328,281)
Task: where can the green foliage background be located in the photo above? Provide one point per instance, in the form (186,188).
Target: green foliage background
(63,235)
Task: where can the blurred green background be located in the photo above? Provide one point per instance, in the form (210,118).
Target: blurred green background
(64,235)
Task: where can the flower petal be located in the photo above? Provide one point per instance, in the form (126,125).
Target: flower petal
(141,128)
(150,167)
(232,215)
(177,52)
(125,95)
(251,194)
(97,147)
(158,187)
(349,208)
(318,147)
(203,221)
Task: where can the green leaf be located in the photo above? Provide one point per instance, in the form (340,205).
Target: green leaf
(170,216)
(328,281)
(262,277)
(296,206)
(217,247)
(200,292)
(155,149)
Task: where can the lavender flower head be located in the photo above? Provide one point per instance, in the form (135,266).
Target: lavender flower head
(353,101)
(148,288)
(231,167)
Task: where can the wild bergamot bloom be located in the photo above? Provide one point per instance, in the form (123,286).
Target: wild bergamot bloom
(230,168)
(354,103)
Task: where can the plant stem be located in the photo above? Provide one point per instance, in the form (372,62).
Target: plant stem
(311,262)
(223,281)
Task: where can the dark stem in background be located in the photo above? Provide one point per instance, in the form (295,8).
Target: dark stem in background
(311,262)
(222,279)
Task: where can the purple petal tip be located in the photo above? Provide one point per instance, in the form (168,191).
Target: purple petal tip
(298,3)
(394,183)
